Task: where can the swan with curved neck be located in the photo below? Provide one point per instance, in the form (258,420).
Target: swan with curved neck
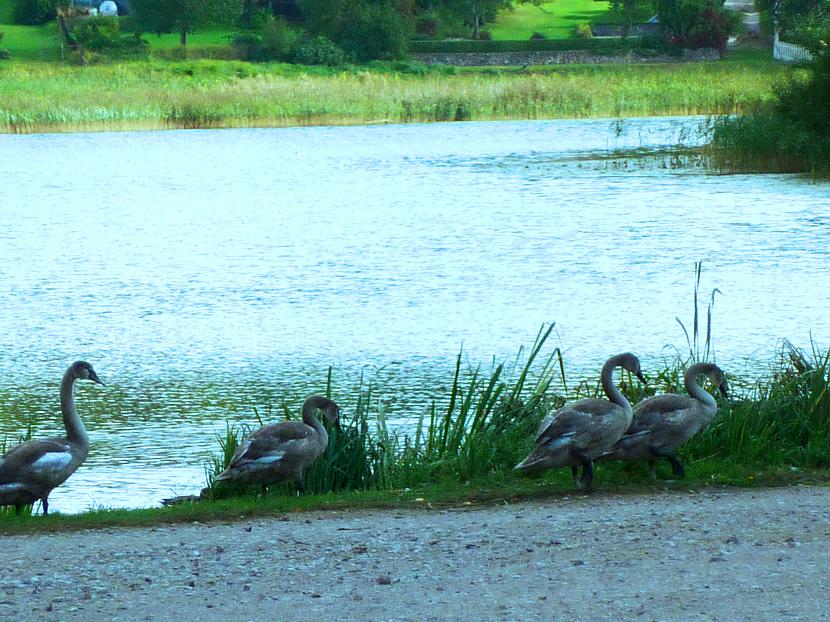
(29,472)
(283,451)
(582,430)
(663,423)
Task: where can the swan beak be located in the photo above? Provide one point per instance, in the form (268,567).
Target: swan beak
(94,377)
(337,425)
(723,390)
(642,378)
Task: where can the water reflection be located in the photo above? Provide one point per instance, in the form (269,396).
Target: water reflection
(204,273)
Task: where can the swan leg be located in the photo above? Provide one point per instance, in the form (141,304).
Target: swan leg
(652,468)
(584,482)
(301,486)
(46,506)
(674,461)
(587,475)
(676,466)
(575,474)
(17,509)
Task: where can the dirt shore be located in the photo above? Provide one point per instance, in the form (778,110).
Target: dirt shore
(715,555)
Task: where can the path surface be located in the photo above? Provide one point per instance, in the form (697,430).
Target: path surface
(727,555)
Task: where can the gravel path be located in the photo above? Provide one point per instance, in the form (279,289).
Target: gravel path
(715,555)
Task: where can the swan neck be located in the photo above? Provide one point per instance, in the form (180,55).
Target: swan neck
(697,391)
(311,420)
(75,430)
(612,390)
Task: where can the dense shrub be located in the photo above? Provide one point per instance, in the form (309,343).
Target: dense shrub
(274,40)
(582,31)
(375,32)
(428,27)
(697,23)
(713,29)
(34,12)
(319,50)
(102,35)
(792,136)
(248,46)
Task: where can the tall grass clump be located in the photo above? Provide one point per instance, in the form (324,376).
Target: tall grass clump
(489,421)
(481,428)
(782,420)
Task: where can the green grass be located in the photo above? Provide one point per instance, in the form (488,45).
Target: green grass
(555,20)
(623,479)
(32,43)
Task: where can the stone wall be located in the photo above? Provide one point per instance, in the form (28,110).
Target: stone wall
(551,57)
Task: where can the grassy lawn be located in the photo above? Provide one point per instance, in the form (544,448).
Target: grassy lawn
(555,20)
(32,42)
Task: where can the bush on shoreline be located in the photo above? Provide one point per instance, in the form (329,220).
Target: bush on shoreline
(791,135)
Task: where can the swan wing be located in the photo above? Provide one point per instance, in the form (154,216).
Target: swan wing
(35,460)
(573,420)
(658,413)
(272,443)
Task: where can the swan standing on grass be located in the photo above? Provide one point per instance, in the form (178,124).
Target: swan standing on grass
(665,422)
(32,470)
(579,432)
(283,451)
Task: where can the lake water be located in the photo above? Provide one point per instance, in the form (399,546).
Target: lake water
(207,272)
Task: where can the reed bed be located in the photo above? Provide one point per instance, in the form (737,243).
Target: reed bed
(38,97)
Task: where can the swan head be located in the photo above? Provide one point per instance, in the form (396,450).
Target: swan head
(631,363)
(332,412)
(717,378)
(83,371)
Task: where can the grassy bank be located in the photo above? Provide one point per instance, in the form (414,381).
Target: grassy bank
(42,97)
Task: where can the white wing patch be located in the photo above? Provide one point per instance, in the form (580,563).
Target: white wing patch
(272,457)
(13,487)
(53,461)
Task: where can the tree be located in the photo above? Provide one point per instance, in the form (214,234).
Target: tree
(696,23)
(365,29)
(183,16)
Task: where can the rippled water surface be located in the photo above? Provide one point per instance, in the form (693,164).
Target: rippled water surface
(207,272)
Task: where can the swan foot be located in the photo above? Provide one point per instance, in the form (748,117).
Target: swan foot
(45,506)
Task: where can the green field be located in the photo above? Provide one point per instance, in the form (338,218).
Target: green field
(555,20)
